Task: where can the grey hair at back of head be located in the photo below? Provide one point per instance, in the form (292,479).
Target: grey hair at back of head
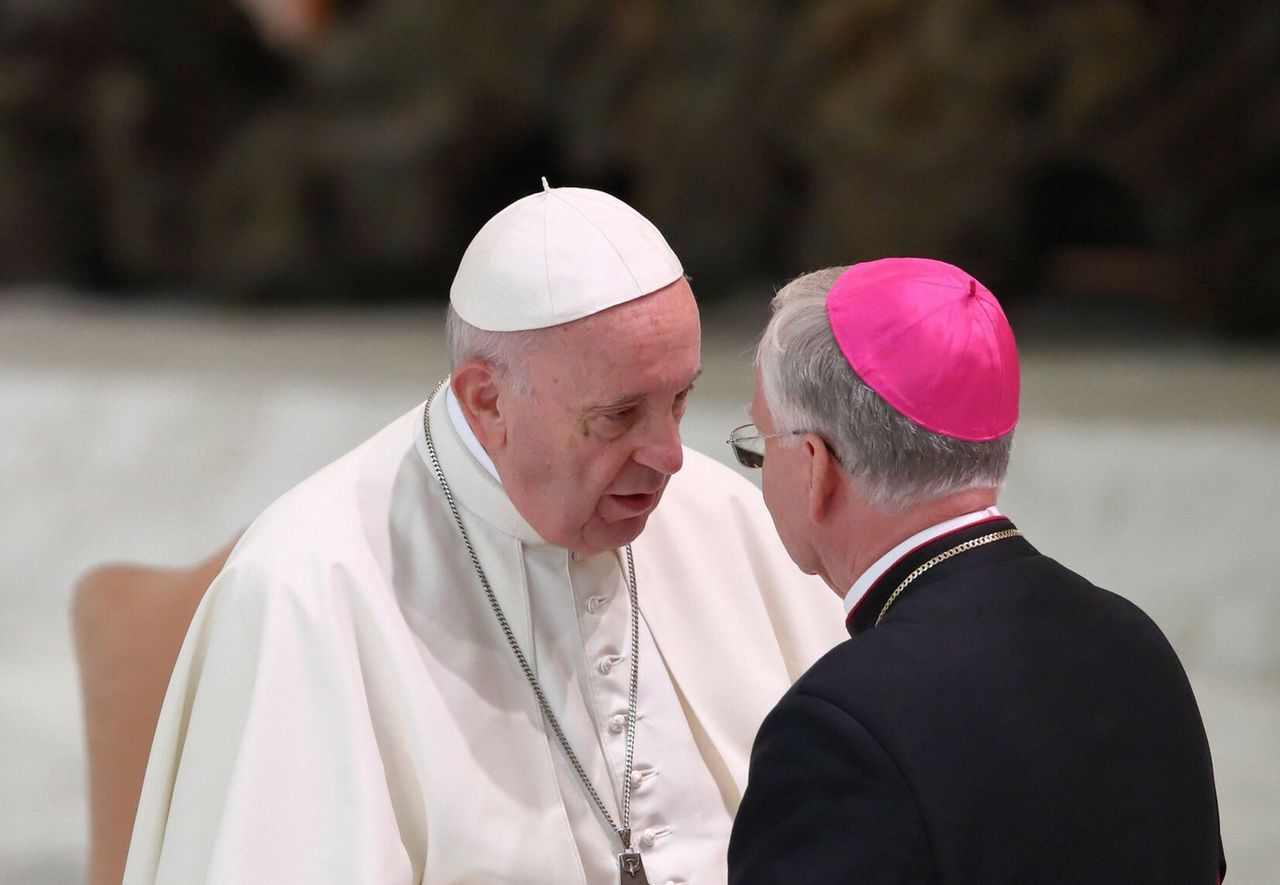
(509,351)
(809,386)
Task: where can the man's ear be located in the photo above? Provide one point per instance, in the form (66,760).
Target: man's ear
(824,477)
(478,387)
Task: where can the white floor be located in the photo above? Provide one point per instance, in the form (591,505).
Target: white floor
(143,435)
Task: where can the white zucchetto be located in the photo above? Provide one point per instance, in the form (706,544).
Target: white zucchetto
(557,256)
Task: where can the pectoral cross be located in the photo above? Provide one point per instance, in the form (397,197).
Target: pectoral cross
(630,863)
(631,868)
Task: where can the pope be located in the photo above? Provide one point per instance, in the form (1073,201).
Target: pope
(519,635)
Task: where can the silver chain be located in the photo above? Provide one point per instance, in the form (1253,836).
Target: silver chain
(942,557)
(624,828)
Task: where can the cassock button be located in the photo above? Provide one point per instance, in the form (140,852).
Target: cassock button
(605,666)
(618,723)
(577,557)
(647,838)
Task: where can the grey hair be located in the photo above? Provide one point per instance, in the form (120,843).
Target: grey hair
(809,386)
(509,351)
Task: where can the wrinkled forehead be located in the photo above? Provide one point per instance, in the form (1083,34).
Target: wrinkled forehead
(669,308)
(652,345)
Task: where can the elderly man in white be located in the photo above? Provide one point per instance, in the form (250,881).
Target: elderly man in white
(520,635)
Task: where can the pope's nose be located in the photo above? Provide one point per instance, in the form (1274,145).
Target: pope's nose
(661,449)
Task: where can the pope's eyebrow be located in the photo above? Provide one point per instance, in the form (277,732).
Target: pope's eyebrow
(614,405)
(693,381)
(632,398)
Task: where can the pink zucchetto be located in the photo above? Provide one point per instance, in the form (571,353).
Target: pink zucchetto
(932,341)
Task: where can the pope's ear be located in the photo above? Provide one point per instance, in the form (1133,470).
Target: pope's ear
(477,387)
(824,477)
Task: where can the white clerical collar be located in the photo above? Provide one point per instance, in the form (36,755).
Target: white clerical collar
(474,486)
(886,562)
(467,435)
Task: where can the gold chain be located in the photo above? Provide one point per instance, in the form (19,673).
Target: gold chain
(942,557)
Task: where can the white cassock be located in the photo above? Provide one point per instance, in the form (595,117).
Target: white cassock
(345,708)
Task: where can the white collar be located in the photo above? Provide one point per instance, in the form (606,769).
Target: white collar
(467,435)
(886,562)
(476,491)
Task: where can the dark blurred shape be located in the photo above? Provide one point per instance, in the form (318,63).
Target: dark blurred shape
(1087,239)
(1096,150)
(110,115)
(1079,205)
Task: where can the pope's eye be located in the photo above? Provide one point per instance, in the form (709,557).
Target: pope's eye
(619,415)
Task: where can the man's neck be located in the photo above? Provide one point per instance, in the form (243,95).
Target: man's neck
(870,533)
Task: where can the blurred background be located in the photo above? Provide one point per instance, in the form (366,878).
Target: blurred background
(228,227)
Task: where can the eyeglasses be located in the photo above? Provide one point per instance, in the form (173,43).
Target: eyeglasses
(747,443)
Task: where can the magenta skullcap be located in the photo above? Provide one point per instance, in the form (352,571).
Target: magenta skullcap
(932,341)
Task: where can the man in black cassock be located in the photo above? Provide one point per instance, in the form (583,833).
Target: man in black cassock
(994,717)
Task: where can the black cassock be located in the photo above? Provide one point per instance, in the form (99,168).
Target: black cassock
(1006,722)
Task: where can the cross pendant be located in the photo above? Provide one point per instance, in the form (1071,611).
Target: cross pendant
(631,868)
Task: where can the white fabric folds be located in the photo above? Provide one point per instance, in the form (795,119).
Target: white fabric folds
(345,709)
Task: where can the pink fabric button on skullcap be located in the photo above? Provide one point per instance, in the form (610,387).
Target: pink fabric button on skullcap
(932,341)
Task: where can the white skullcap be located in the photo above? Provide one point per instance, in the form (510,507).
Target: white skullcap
(557,256)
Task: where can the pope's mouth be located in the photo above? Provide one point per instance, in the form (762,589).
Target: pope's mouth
(634,504)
